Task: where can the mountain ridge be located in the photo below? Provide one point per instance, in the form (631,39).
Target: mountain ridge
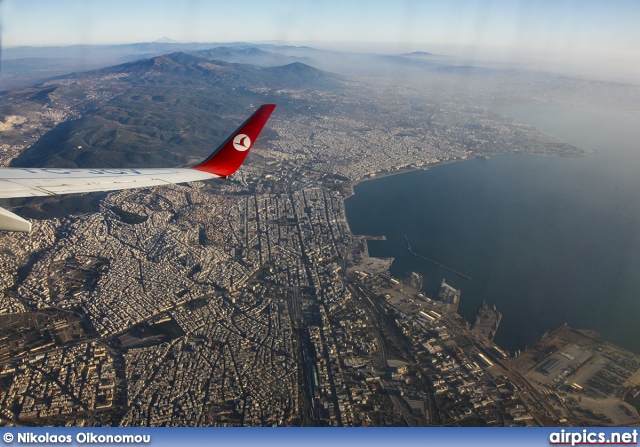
(152,112)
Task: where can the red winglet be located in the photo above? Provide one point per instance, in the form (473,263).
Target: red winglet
(226,160)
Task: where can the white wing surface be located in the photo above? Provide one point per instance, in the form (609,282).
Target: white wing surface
(32,182)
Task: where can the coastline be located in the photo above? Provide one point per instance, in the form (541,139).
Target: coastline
(349,186)
(580,152)
(382,174)
(583,353)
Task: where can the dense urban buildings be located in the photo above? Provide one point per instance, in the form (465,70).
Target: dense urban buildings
(248,301)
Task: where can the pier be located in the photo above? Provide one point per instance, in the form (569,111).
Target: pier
(487,322)
(434,262)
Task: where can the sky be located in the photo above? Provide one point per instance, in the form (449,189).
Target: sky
(580,32)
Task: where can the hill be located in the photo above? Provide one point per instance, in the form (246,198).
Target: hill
(418,54)
(250,55)
(168,110)
(28,66)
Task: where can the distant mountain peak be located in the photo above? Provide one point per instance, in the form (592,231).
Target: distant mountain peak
(189,69)
(249,55)
(165,40)
(300,65)
(298,68)
(418,54)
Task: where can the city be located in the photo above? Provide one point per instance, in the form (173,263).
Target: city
(249,302)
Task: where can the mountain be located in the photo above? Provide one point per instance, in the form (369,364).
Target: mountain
(165,40)
(28,66)
(299,73)
(418,54)
(182,67)
(250,55)
(169,110)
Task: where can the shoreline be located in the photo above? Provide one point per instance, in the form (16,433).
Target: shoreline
(351,192)
(382,174)
(350,185)
(378,175)
(403,170)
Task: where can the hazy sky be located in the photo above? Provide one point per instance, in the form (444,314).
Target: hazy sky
(575,32)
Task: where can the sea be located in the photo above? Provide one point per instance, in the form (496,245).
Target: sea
(547,240)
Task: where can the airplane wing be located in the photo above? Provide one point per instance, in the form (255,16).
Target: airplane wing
(30,182)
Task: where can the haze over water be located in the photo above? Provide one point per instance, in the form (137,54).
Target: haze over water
(548,240)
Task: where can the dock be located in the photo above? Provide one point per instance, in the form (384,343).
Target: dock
(487,322)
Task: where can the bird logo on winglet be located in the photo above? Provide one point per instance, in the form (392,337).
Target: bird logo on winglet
(241,142)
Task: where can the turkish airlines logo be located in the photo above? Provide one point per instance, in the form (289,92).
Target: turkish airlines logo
(241,142)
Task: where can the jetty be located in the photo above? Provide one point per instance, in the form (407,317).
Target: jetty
(432,261)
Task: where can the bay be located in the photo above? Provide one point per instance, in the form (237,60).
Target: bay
(548,240)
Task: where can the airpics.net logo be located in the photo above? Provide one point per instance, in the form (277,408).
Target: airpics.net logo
(587,437)
(241,142)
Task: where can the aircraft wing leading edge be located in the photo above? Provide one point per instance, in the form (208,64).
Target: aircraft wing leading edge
(31,182)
